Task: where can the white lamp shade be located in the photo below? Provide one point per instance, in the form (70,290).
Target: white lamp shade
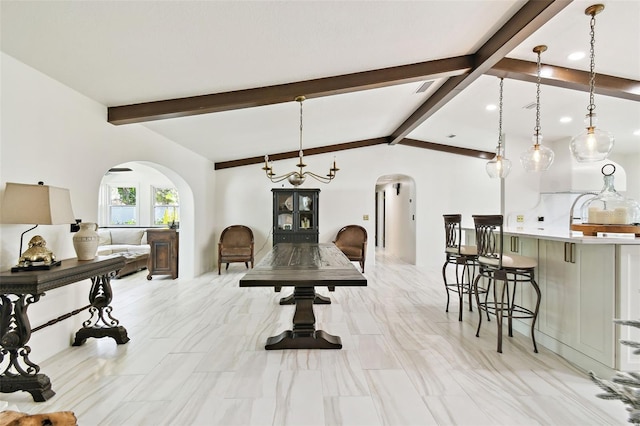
(36,204)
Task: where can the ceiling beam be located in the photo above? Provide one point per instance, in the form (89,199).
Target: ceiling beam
(533,15)
(486,155)
(567,78)
(353,145)
(307,152)
(346,83)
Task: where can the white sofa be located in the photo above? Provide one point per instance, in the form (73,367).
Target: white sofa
(122,240)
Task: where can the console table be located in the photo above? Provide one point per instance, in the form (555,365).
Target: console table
(304,266)
(18,290)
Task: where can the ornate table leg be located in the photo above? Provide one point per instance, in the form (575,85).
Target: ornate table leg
(304,334)
(15,332)
(100,297)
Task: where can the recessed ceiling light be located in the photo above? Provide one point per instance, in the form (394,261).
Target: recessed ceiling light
(576,56)
(566,119)
(636,133)
(491,107)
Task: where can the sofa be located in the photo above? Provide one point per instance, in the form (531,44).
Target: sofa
(128,242)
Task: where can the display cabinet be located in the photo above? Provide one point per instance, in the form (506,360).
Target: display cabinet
(163,257)
(295,215)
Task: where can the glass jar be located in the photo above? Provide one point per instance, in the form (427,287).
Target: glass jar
(609,207)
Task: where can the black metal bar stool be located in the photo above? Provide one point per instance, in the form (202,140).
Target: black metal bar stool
(510,270)
(462,256)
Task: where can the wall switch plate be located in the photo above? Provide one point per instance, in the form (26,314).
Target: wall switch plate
(365,217)
(520,218)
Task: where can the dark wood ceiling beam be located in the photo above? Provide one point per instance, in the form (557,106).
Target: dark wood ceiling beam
(218,102)
(353,145)
(307,152)
(567,78)
(485,155)
(533,15)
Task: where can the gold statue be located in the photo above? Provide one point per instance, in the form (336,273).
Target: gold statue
(37,252)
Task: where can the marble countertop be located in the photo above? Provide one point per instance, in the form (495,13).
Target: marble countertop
(565,235)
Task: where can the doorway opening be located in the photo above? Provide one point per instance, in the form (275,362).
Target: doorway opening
(143,194)
(395,221)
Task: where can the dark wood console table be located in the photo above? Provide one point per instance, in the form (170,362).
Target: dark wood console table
(18,290)
(304,266)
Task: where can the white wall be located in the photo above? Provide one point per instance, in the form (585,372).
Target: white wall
(54,134)
(444,183)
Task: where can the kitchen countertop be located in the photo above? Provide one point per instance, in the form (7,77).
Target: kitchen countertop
(556,234)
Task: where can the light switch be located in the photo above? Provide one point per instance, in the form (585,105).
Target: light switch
(365,217)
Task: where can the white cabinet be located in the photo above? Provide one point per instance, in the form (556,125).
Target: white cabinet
(578,285)
(628,304)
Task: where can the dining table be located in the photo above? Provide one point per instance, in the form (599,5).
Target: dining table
(304,266)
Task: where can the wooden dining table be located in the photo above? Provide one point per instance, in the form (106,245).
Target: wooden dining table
(304,266)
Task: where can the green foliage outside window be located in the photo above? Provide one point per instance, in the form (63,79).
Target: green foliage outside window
(125,196)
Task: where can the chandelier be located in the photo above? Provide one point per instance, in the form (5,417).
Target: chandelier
(298,177)
(537,158)
(499,166)
(592,144)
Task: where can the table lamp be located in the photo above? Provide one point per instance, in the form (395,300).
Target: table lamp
(39,205)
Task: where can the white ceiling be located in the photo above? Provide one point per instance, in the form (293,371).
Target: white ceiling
(125,52)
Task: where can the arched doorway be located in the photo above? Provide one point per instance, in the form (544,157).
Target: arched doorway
(396,216)
(145,176)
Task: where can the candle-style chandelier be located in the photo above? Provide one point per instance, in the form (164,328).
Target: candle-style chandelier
(298,177)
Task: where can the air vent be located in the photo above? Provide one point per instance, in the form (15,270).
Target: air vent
(424,86)
(531,105)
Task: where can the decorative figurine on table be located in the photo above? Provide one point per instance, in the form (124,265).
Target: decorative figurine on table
(37,253)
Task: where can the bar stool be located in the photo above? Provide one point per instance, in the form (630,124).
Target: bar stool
(460,255)
(510,270)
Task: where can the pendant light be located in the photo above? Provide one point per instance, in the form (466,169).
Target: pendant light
(499,166)
(537,158)
(592,144)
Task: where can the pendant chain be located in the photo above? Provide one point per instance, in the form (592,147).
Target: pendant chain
(592,79)
(537,128)
(500,115)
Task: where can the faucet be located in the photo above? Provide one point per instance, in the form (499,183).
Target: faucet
(574,205)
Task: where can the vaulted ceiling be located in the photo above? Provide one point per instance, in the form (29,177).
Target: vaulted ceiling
(220,77)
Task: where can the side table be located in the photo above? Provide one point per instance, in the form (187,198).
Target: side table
(18,290)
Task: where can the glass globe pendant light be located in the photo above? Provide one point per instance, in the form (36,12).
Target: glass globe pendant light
(538,158)
(593,144)
(499,166)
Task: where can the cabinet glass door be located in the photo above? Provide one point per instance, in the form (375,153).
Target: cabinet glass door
(285,211)
(305,207)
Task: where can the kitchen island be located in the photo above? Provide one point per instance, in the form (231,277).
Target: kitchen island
(585,282)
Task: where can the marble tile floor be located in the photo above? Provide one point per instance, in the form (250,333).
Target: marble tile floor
(196,357)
